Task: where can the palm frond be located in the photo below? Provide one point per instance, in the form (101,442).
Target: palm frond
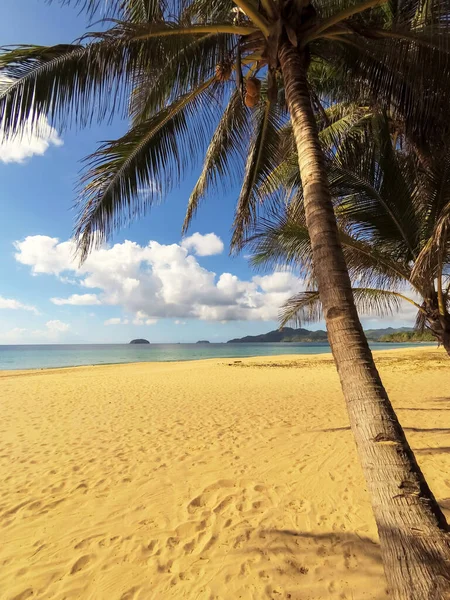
(74,82)
(225,153)
(139,11)
(339,122)
(400,75)
(192,62)
(375,191)
(68,82)
(134,10)
(435,252)
(306,307)
(281,240)
(421,321)
(302,308)
(268,120)
(124,177)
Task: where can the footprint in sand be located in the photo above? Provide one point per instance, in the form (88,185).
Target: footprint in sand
(81,563)
(87,541)
(130,594)
(28,593)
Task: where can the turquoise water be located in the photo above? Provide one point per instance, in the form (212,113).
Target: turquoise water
(61,355)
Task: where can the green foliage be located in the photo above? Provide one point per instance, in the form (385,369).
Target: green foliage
(155,54)
(408,336)
(392,212)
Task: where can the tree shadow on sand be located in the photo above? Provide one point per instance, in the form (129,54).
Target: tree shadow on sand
(297,565)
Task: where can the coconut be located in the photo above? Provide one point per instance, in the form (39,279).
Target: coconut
(251,101)
(253,86)
(223,71)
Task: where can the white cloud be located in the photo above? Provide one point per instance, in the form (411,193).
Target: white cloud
(45,254)
(276,282)
(51,333)
(159,281)
(177,322)
(77,300)
(10,303)
(116,321)
(56,326)
(29,142)
(203,245)
(143,319)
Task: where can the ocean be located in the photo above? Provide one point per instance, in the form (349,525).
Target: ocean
(65,355)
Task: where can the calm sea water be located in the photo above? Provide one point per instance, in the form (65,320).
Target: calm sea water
(61,355)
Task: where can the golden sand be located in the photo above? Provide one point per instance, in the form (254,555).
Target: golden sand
(216,479)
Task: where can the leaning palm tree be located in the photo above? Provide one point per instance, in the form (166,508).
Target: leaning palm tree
(390,212)
(166,65)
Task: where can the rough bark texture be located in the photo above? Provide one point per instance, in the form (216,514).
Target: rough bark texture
(441,329)
(412,529)
(438,324)
(446,341)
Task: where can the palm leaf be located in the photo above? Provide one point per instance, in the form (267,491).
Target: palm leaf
(399,75)
(125,176)
(341,122)
(75,82)
(69,82)
(376,189)
(281,240)
(136,10)
(225,153)
(262,157)
(306,307)
(435,252)
(193,61)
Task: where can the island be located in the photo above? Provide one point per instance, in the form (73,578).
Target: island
(285,334)
(203,342)
(139,341)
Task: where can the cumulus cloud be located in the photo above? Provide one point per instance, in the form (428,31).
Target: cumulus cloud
(77,300)
(116,321)
(160,281)
(29,142)
(11,304)
(203,245)
(45,254)
(142,318)
(50,333)
(56,326)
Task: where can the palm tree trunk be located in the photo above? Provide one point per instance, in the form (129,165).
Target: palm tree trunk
(440,327)
(412,529)
(446,335)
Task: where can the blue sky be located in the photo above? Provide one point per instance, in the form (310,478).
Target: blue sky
(147,283)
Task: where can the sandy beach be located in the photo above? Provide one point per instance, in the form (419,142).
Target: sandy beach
(209,480)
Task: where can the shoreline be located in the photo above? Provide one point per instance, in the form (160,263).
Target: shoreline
(398,347)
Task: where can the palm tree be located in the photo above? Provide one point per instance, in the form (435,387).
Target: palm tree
(390,211)
(166,65)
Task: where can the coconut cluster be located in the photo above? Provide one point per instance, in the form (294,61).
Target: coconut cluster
(223,70)
(252,92)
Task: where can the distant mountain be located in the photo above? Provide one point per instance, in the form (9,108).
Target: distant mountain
(376,334)
(285,334)
(203,342)
(139,341)
(288,334)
